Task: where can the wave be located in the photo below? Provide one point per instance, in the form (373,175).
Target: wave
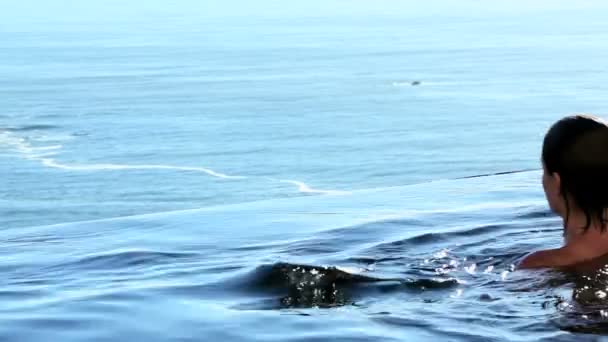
(433,238)
(125,259)
(42,155)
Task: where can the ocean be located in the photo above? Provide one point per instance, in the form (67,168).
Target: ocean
(278,171)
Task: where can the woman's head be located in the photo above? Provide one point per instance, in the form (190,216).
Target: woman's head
(575,163)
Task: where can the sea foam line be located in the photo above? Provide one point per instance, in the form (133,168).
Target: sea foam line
(50,162)
(42,155)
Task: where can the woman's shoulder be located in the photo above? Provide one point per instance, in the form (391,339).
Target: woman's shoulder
(558,257)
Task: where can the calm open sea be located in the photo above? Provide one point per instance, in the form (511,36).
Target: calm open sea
(288,171)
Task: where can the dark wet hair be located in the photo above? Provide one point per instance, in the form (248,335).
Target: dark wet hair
(576,147)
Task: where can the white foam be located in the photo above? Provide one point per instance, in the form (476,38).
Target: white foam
(303,187)
(104,167)
(16,143)
(43,155)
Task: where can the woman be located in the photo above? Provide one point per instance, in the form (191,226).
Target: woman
(575,180)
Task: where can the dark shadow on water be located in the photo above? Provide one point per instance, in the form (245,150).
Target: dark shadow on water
(26,128)
(307,286)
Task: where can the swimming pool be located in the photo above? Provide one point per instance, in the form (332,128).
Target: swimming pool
(368,265)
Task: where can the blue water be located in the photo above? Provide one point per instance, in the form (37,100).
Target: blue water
(289,171)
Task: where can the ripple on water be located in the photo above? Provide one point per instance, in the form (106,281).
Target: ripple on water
(458,284)
(125,259)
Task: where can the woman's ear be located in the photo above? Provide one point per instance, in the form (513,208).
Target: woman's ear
(557,183)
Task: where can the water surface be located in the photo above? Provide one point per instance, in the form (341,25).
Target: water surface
(296,167)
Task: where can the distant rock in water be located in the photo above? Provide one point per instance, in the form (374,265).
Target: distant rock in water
(406,83)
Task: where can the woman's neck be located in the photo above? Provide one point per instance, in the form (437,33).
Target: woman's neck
(590,242)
